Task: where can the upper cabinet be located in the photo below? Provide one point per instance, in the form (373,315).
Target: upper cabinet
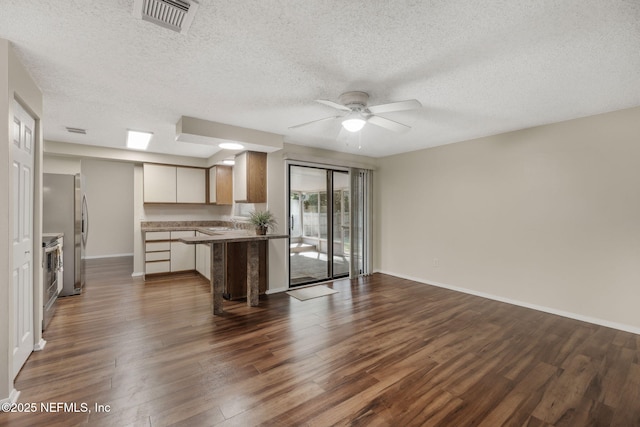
(250,177)
(159,183)
(221,185)
(191,185)
(174,184)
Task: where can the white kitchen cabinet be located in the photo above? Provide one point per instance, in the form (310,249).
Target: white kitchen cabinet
(157,267)
(203,259)
(191,185)
(183,256)
(221,185)
(174,184)
(157,255)
(250,177)
(159,183)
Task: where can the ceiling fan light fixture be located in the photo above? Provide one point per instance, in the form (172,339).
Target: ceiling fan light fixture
(353,124)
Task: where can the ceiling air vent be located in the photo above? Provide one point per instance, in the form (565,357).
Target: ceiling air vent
(177,15)
(77,130)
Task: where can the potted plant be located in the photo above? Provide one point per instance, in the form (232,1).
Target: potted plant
(263,220)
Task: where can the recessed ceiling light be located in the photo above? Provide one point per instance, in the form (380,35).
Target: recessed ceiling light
(138,140)
(229,162)
(231,146)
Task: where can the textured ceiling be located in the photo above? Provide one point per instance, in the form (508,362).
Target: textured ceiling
(478,68)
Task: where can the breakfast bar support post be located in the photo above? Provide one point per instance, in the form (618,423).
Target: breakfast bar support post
(253,268)
(217,276)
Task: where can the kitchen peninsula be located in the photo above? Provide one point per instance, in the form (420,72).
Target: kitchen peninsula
(218,236)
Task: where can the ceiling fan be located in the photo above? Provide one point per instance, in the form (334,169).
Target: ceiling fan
(357,113)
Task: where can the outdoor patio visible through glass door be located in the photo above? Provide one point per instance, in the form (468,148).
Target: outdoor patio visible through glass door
(319,224)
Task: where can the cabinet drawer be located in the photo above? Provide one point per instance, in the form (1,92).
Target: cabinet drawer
(157,235)
(157,267)
(157,246)
(158,256)
(175,235)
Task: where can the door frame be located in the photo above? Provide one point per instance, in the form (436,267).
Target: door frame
(329,186)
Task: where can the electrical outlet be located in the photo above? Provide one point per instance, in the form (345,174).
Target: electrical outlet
(436,262)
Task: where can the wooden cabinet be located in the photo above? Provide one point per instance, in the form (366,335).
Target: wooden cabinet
(174,184)
(183,256)
(221,185)
(191,184)
(159,183)
(250,177)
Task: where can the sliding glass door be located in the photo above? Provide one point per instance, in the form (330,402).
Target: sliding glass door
(319,224)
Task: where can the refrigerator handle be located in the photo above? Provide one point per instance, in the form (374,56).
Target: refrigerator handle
(85,218)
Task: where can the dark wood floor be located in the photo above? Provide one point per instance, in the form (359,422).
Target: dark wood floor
(383,351)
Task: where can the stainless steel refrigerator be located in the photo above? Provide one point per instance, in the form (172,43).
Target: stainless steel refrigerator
(64,210)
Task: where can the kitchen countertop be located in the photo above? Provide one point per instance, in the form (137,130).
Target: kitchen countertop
(229,236)
(216,231)
(217,234)
(202,226)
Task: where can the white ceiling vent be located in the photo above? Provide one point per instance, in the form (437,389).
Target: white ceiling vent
(177,15)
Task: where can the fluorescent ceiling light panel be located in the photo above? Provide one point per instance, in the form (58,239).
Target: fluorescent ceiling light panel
(138,140)
(231,146)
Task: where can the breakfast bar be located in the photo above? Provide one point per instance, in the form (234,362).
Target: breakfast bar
(217,242)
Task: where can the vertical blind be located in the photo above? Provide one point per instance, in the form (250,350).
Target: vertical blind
(361,226)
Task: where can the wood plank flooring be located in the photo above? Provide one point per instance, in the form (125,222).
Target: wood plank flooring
(382,352)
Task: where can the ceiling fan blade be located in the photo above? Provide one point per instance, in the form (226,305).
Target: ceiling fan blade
(333,104)
(409,104)
(388,124)
(313,121)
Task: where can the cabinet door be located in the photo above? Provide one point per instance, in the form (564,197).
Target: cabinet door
(191,185)
(250,177)
(159,183)
(221,185)
(240,178)
(256,177)
(202,259)
(203,262)
(183,256)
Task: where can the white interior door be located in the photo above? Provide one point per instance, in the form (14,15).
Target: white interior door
(22,269)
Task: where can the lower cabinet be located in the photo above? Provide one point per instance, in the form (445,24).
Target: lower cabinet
(203,259)
(165,254)
(157,252)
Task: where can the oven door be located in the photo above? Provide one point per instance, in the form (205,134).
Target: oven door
(50,283)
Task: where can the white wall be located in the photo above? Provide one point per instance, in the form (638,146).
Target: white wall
(61,165)
(547,217)
(109,191)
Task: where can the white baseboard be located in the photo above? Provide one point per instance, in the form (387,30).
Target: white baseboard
(40,345)
(570,315)
(137,274)
(108,256)
(13,397)
(276,290)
